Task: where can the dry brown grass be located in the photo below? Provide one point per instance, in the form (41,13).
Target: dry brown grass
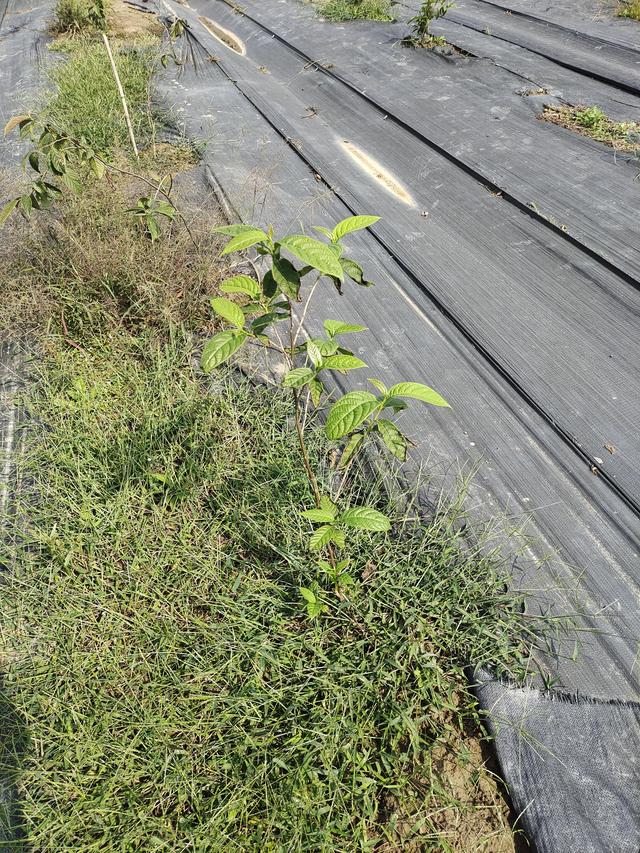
(86,268)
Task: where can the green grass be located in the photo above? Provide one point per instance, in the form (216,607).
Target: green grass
(349,10)
(85,99)
(593,122)
(629,9)
(171,692)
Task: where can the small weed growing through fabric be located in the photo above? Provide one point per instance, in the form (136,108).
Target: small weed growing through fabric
(593,122)
(429,11)
(629,9)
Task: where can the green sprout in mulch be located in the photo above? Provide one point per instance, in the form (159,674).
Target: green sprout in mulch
(594,123)
(349,10)
(167,688)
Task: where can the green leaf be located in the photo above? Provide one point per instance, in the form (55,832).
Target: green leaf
(308,594)
(327,504)
(355,272)
(417,391)
(298,377)
(329,347)
(326,231)
(351,448)
(349,412)
(244,240)
(321,537)
(269,286)
(365,518)
(393,438)
(228,310)
(97,167)
(314,253)
(342,363)
(316,389)
(313,351)
(382,388)
(286,277)
(235,230)
(352,223)
(72,180)
(7,210)
(221,347)
(34,161)
(26,203)
(337,327)
(320,516)
(241,284)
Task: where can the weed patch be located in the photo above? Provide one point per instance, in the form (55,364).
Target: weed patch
(154,645)
(592,122)
(349,10)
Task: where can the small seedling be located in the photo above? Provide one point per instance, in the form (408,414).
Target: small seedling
(430,11)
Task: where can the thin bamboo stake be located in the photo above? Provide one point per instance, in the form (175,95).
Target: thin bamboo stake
(122,97)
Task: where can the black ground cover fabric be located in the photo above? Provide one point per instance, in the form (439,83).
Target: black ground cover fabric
(276,150)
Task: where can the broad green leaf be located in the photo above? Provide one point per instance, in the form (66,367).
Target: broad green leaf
(308,594)
(221,347)
(244,240)
(337,327)
(7,210)
(241,284)
(228,310)
(316,609)
(97,167)
(313,351)
(393,438)
(72,180)
(350,449)
(286,277)
(329,347)
(355,272)
(26,203)
(342,362)
(235,230)
(320,516)
(314,253)
(382,388)
(365,518)
(321,537)
(328,505)
(14,122)
(326,231)
(349,412)
(269,286)
(337,537)
(34,161)
(316,389)
(298,377)
(352,223)
(417,391)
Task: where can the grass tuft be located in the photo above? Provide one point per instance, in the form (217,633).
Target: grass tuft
(171,691)
(349,10)
(629,9)
(594,123)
